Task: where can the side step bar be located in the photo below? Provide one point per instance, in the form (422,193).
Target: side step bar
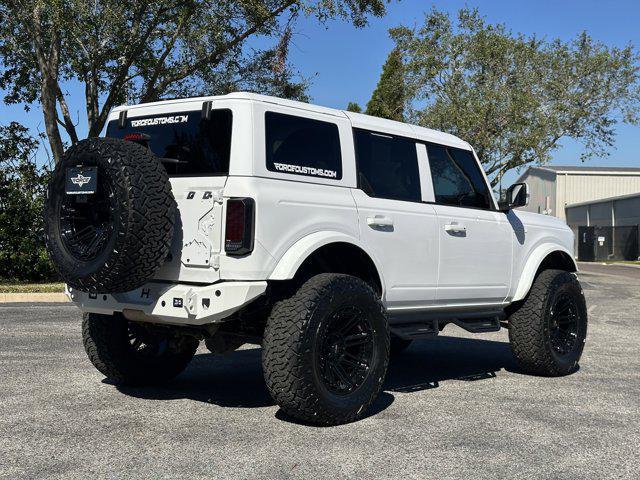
(413,329)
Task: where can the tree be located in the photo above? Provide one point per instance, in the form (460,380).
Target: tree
(142,51)
(516,97)
(354,107)
(388,99)
(22,186)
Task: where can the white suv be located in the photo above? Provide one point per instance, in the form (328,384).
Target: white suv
(330,238)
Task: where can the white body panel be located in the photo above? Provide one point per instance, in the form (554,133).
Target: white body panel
(404,236)
(475,256)
(428,256)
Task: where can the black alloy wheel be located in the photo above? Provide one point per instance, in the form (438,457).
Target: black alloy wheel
(563,329)
(86,222)
(145,342)
(347,351)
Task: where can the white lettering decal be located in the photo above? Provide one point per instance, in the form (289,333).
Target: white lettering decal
(145,122)
(318,172)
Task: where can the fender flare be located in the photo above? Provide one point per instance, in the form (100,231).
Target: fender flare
(297,253)
(533,263)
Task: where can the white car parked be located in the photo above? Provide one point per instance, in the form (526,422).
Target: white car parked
(330,238)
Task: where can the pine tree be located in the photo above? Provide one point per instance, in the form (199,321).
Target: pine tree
(388,98)
(354,107)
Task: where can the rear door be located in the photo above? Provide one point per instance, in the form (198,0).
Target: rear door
(475,238)
(195,147)
(395,223)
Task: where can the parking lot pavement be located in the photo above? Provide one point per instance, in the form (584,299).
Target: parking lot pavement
(620,270)
(453,407)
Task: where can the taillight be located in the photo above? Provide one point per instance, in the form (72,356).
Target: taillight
(137,137)
(238,237)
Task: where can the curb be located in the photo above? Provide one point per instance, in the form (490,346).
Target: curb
(629,265)
(33,298)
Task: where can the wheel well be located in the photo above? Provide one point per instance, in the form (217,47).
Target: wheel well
(557,260)
(341,257)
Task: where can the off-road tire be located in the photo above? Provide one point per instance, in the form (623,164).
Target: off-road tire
(107,344)
(291,342)
(530,325)
(143,216)
(398,345)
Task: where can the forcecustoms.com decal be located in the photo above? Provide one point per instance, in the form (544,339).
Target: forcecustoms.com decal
(318,172)
(145,122)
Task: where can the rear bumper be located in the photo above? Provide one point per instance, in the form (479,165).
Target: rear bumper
(175,304)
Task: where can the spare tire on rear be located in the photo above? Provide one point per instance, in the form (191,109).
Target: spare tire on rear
(116,238)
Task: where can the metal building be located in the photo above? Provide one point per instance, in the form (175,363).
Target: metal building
(606,229)
(552,188)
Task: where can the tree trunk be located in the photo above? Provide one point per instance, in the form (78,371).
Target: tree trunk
(47,92)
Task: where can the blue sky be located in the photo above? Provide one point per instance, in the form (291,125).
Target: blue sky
(344,63)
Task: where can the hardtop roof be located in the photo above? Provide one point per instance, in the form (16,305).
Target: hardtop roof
(358,120)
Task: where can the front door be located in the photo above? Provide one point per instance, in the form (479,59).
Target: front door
(475,239)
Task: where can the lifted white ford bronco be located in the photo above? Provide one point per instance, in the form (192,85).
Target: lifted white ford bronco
(333,239)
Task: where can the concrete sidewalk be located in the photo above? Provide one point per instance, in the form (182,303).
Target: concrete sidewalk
(33,298)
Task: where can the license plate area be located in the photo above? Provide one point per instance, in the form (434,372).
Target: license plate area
(81,180)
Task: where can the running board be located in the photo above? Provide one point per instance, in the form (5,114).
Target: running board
(412,327)
(478,325)
(414,331)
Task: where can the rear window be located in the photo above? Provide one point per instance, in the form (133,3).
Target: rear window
(189,144)
(302,146)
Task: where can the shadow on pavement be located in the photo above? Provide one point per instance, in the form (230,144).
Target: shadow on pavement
(426,363)
(235,380)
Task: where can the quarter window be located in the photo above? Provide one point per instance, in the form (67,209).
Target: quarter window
(457,179)
(387,166)
(302,146)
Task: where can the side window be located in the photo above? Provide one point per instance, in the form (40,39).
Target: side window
(457,179)
(387,166)
(302,146)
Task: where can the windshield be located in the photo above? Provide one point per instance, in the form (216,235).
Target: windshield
(186,143)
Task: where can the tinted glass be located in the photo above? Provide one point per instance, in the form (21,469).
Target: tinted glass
(387,166)
(302,146)
(197,146)
(457,179)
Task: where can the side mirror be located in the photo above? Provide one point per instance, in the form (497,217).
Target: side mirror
(517,195)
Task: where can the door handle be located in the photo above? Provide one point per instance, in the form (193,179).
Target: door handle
(456,228)
(380,221)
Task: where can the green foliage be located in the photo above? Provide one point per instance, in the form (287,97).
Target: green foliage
(354,107)
(141,51)
(388,99)
(513,97)
(22,188)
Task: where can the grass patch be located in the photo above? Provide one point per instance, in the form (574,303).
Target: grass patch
(32,287)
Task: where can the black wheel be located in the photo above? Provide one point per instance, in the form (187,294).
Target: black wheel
(326,350)
(115,239)
(134,353)
(398,345)
(548,331)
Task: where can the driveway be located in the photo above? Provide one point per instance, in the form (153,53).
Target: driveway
(453,407)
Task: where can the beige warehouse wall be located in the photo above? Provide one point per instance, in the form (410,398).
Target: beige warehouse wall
(577,188)
(542,191)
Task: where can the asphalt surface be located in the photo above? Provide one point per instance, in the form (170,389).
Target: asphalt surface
(453,407)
